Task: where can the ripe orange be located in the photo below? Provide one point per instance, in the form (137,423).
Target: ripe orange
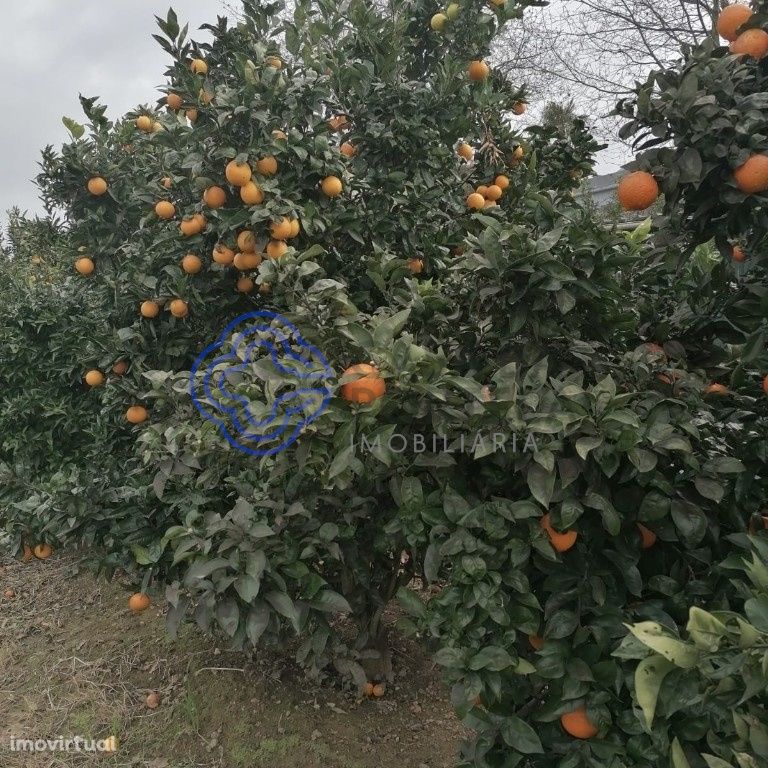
(139,602)
(416,266)
(94,378)
(199,67)
(179,308)
(166,182)
(274,61)
(731,18)
(561,542)
(482,190)
(192,115)
(149,309)
(379,690)
(97,186)
(494,192)
(165,210)
(9,594)
(222,254)
(238,175)
(647,535)
(367,388)
(716,389)
(489,203)
(136,414)
(475,201)
(153,700)
(502,182)
(295,228)
(347,149)
(577,724)
(752,177)
(737,254)
(215,197)
(368,690)
(157,127)
(279,135)
(519,107)
(338,122)
(765,384)
(478,70)
(248,260)
(145,123)
(201,221)
(465,150)
(85,266)
(191,264)
(190,226)
(246,242)
(267,166)
(251,194)
(276,249)
(331,186)
(244,284)
(174,101)
(120,368)
(281,230)
(517,155)
(537,643)
(637,191)
(43,551)
(753,42)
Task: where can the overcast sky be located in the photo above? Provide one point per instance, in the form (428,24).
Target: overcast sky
(52,50)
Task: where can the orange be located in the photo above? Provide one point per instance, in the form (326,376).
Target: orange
(331,186)
(246,242)
(347,149)
(577,724)
(494,192)
(157,127)
(274,61)
(482,190)
(179,308)
(731,18)
(205,97)
(647,535)
(251,194)
(139,602)
(416,266)
(136,414)
(279,135)
(753,42)
(174,101)
(379,690)
(276,249)
(166,182)
(368,690)
(765,384)
(149,309)
(192,115)
(97,186)
(43,551)
(248,260)
(191,264)
(637,191)
(502,182)
(120,368)
(215,197)
(165,210)
(478,70)
(519,107)
(267,166)
(9,594)
(561,542)
(281,230)
(465,150)
(537,643)
(244,284)
(475,201)
(752,177)
(295,228)
(222,254)
(365,389)
(338,122)
(85,266)
(489,203)
(153,700)
(201,221)
(199,67)
(238,175)
(716,389)
(518,154)
(190,226)
(737,254)
(145,123)
(94,378)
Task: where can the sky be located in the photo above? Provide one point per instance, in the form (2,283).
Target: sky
(50,51)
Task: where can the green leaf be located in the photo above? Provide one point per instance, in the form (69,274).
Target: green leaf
(709,489)
(411,602)
(586,444)
(257,622)
(649,675)
(493,658)
(521,736)
(331,602)
(228,615)
(704,629)
(385,332)
(677,755)
(73,127)
(542,483)
(653,635)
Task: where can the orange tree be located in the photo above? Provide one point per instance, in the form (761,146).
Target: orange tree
(361,175)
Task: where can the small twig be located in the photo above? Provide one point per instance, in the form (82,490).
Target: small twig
(218,669)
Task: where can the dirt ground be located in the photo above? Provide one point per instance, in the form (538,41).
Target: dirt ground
(75,662)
